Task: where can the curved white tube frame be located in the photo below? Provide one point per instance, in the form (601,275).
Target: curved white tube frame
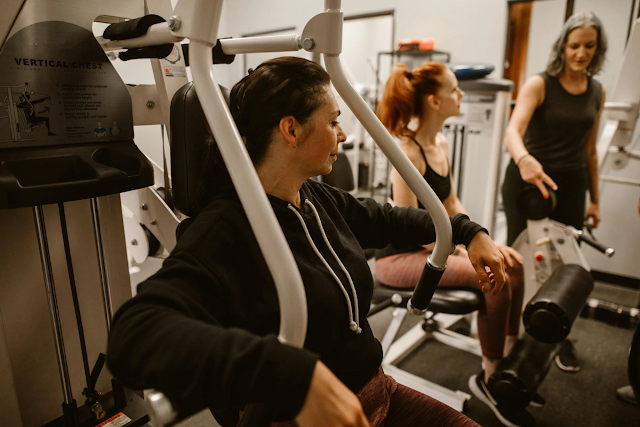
(274,246)
(399,160)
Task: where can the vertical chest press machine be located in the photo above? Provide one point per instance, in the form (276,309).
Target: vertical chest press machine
(198,21)
(72,166)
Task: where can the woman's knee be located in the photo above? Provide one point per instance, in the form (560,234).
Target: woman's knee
(515,273)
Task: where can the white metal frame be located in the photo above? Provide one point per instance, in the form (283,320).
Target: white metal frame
(396,351)
(198,20)
(322,34)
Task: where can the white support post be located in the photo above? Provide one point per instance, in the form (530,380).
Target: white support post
(399,160)
(274,247)
(283,43)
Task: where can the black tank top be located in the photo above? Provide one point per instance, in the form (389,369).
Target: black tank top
(558,130)
(441,185)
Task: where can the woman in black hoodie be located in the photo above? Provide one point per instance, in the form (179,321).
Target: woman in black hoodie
(203,329)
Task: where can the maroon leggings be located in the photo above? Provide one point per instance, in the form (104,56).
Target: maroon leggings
(501,315)
(389,404)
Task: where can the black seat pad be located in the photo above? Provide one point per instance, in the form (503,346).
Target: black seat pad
(445,300)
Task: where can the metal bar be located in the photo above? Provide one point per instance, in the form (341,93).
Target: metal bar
(282,43)
(456,340)
(102,267)
(404,345)
(398,316)
(332,4)
(503,99)
(74,296)
(634,154)
(266,33)
(47,272)
(454,399)
(274,247)
(399,160)
(463,157)
(157,34)
(379,14)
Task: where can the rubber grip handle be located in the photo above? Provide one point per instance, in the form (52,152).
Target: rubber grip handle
(597,245)
(425,289)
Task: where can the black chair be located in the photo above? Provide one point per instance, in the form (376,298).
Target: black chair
(341,175)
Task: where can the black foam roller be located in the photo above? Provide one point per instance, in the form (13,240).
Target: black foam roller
(550,314)
(519,375)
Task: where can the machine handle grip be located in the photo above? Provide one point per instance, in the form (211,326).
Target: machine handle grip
(160,409)
(425,289)
(596,245)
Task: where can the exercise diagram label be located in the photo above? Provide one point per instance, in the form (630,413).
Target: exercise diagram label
(52,94)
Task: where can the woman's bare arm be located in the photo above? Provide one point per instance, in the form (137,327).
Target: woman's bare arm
(531,97)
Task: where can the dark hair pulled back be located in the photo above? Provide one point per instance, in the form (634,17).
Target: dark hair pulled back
(280,87)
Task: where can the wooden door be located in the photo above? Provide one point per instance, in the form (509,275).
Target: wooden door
(515,63)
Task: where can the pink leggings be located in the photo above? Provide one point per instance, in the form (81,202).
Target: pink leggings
(501,315)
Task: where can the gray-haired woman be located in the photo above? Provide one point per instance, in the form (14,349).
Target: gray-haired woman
(552,133)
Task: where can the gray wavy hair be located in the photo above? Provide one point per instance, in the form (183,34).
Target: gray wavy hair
(579,20)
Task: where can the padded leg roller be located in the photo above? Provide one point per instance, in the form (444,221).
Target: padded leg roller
(519,375)
(551,312)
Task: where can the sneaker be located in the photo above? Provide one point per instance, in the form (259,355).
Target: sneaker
(508,416)
(537,401)
(626,394)
(566,358)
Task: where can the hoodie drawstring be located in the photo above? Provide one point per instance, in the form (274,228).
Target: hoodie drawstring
(353,325)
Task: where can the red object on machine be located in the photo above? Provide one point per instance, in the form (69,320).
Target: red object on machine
(416,44)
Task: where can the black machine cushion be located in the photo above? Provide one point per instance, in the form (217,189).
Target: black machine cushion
(188,141)
(550,314)
(445,300)
(341,175)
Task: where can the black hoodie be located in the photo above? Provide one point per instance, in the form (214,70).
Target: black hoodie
(203,328)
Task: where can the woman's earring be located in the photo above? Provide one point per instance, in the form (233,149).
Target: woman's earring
(295,145)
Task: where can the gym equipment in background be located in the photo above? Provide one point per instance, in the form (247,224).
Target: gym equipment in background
(557,287)
(618,154)
(476,145)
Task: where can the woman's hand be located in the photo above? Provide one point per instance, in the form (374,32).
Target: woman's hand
(511,256)
(330,403)
(593,213)
(488,263)
(531,171)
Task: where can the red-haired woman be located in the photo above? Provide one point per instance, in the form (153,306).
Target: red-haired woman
(429,95)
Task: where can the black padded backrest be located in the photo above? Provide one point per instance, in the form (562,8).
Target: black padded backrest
(341,175)
(188,142)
